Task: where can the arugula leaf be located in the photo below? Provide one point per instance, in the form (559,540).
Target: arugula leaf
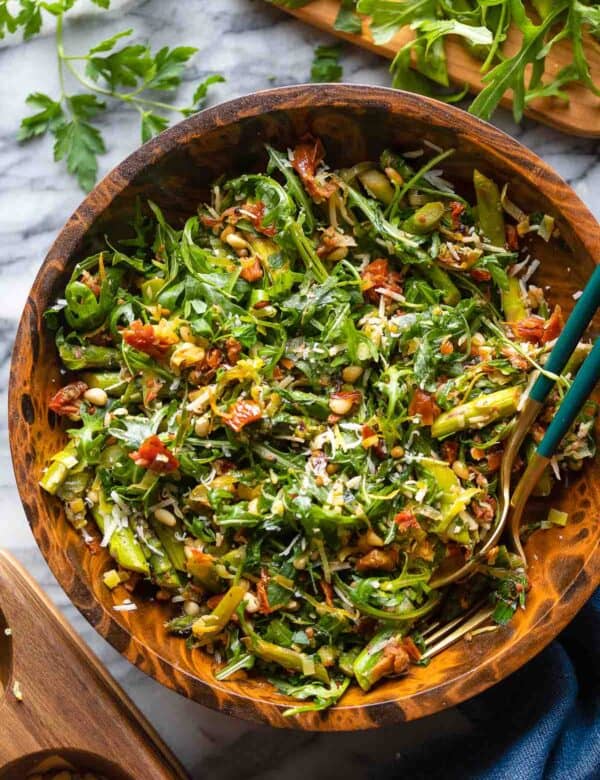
(323,696)
(325,66)
(347,20)
(290,3)
(510,73)
(388,16)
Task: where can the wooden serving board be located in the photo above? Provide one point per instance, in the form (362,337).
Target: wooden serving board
(581,116)
(72,713)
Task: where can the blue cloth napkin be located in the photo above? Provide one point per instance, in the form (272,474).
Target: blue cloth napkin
(541,723)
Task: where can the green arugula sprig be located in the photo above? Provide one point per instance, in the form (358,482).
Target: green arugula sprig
(420,65)
(111,72)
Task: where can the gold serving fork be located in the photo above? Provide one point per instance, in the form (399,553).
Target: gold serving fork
(510,507)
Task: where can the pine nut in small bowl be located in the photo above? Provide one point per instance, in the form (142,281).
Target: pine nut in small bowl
(251,471)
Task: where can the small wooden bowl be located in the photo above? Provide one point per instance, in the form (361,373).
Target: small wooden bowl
(174,170)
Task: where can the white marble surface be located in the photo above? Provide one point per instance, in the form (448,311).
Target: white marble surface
(254,46)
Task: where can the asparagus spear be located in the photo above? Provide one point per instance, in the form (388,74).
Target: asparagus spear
(284,656)
(173,546)
(207,627)
(162,569)
(57,471)
(123,545)
(477,413)
(368,667)
(78,356)
(377,185)
(489,207)
(513,305)
(442,281)
(110,381)
(424,220)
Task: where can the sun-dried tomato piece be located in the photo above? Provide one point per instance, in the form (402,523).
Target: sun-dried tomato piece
(148,339)
(405,520)
(327,592)
(154,455)
(456,209)
(255,213)
(251,269)
(494,459)
(67,400)
(514,358)
(512,238)
(480,274)
(152,388)
(242,413)
(233,350)
(410,647)
(553,325)
(251,212)
(261,592)
(529,329)
(449,451)
(537,330)
(305,161)
(422,403)
(212,602)
(377,275)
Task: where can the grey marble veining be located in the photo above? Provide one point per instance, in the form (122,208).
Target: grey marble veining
(255,46)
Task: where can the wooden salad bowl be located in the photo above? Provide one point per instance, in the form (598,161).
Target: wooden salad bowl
(174,170)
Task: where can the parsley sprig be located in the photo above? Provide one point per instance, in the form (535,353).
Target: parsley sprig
(114,71)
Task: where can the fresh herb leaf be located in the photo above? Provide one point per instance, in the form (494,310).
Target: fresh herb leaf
(347,20)
(326,66)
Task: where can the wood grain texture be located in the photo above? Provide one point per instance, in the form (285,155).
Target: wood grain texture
(174,170)
(581,116)
(71,706)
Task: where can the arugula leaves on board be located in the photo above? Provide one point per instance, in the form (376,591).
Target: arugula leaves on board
(420,65)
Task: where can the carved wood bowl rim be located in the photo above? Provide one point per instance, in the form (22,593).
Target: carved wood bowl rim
(253,705)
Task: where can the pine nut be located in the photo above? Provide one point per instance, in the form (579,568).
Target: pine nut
(96,396)
(338,254)
(165,517)
(251,603)
(191,608)
(235,241)
(340,406)
(202,427)
(351,374)
(460,469)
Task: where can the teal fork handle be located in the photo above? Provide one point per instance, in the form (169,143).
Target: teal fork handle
(580,317)
(583,384)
